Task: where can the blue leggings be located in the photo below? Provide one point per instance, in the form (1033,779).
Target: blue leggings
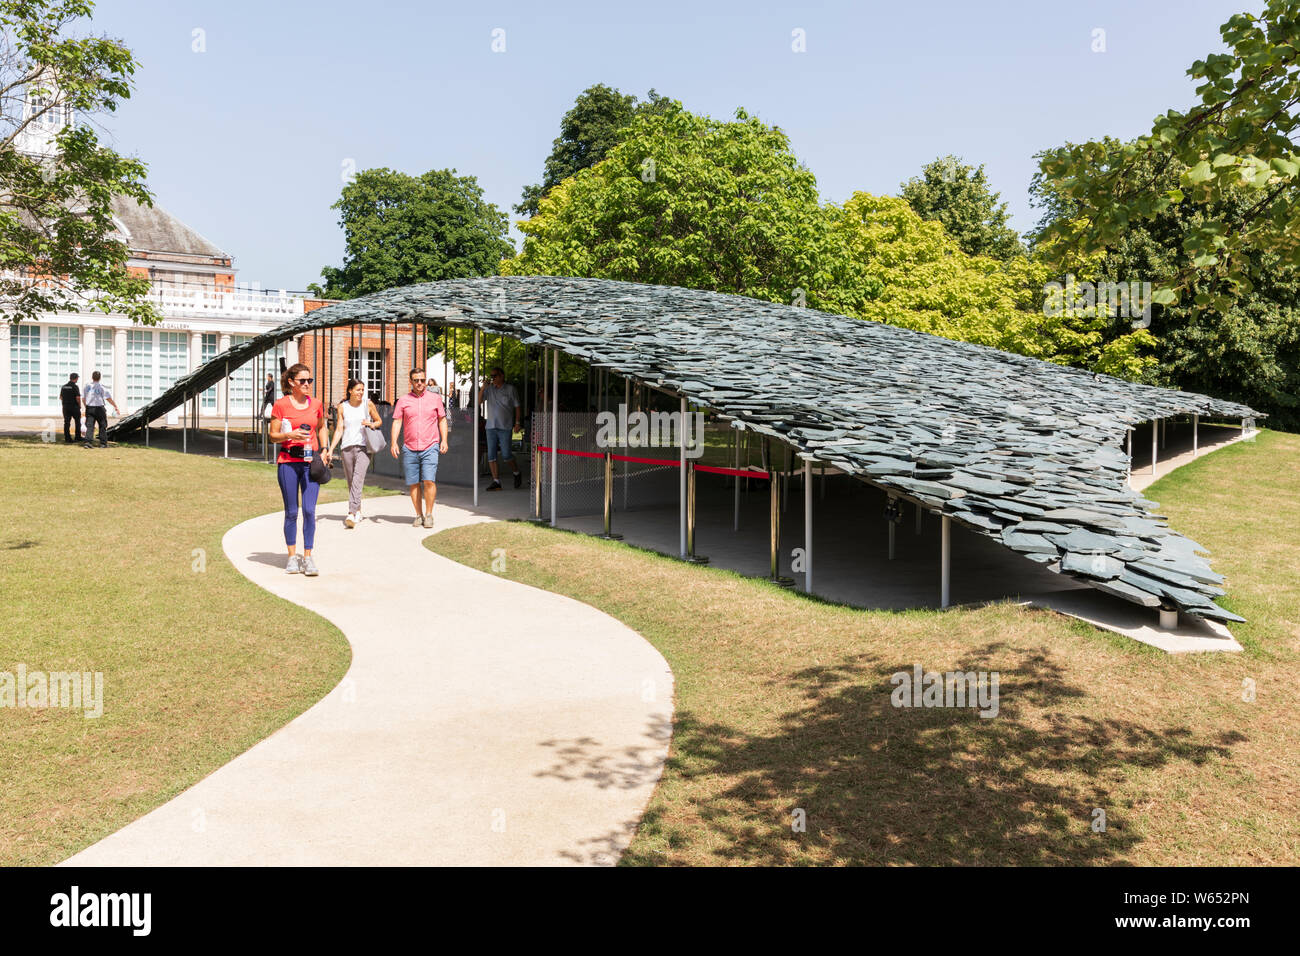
(294,477)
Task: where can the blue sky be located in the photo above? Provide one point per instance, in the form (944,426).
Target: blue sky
(246,141)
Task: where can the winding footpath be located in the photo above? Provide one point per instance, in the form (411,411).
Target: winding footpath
(482,721)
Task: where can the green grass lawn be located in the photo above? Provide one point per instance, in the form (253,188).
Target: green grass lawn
(111,561)
(783,705)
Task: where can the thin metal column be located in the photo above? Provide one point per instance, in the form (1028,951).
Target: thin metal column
(555,429)
(945,560)
(893,504)
(807,526)
(1155,434)
(1196,433)
(627,401)
(681,482)
(226,435)
(185,424)
(474,423)
(774,523)
(735,516)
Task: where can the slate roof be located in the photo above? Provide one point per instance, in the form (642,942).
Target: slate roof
(1023,451)
(154,229)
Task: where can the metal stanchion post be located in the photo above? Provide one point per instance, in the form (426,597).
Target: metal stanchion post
(775,515)
(609,499)
(690,516)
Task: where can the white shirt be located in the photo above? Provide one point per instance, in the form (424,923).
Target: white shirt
(354,417)
(95,394)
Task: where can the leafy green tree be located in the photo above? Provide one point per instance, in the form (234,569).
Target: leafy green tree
(958,196)
(588,131)
(1239,139)
(890,265)
(59,250)
(690,201)
(402,229)
(1245,349)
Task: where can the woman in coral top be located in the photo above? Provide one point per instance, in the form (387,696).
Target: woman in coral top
(306,428)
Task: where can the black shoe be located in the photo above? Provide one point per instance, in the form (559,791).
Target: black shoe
(519,479)
(494,486)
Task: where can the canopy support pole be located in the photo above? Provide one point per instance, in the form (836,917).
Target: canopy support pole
(681,480)
(555,429)
(627,402)
(473,474)
(807,526)
(225,438)
(735,517)
(945,561)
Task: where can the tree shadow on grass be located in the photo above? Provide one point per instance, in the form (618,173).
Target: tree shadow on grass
(917,786)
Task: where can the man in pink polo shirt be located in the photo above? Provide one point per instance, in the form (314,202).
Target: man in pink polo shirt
(425,420)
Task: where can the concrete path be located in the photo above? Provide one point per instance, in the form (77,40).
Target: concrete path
(482,721)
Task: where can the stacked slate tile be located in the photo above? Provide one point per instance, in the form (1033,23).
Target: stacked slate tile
(1026,452)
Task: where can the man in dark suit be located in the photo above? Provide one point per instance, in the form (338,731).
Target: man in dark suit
(70,396)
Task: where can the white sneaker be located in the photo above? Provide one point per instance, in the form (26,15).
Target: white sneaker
(350,520)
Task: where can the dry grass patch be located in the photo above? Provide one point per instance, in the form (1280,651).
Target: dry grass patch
(783,704)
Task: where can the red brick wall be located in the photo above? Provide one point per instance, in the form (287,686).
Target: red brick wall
(330,367)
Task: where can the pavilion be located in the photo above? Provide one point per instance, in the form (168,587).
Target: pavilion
(1033,455)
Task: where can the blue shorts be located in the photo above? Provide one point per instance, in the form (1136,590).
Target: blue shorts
(498,441)
(420,465)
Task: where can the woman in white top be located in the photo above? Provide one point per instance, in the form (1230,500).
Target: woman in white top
(355,413)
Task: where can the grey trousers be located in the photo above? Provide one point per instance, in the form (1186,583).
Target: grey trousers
(356,461)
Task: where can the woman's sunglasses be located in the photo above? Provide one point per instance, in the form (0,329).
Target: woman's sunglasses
(303,381)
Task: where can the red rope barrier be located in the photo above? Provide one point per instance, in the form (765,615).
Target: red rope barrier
(673,462)
(648,461)
(738,472)
(570,451)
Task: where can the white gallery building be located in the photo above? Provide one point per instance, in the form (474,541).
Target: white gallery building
(193,287)
(204,313)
